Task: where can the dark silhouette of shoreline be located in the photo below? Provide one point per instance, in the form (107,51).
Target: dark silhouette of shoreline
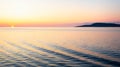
(101,25)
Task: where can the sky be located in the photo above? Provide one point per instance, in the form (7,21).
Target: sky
(57,12)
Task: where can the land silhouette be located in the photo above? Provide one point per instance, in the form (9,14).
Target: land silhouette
(101,25)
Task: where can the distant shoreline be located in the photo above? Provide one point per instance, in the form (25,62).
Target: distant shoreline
(101,25)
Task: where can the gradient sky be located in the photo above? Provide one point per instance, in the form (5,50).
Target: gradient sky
(57,12)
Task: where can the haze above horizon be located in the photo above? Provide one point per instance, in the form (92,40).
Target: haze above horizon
(57,12)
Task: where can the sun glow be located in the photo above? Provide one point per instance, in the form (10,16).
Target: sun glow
(60,12)
(12,26)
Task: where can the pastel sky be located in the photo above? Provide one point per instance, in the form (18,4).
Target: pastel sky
(57,12)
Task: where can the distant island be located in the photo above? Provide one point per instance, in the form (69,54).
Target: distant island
(101,25)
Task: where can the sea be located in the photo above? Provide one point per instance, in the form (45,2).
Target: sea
(60,47)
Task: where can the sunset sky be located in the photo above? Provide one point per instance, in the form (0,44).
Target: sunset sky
(57,12)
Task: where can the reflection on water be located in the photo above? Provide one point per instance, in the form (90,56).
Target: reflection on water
(59,47)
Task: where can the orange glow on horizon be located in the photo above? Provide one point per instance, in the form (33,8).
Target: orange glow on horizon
(12,26)
(57,12)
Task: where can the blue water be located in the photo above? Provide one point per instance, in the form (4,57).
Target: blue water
(59,47)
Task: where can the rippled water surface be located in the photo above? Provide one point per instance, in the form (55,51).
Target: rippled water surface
(59,47)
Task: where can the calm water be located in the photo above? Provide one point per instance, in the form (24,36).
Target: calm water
(59,47)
